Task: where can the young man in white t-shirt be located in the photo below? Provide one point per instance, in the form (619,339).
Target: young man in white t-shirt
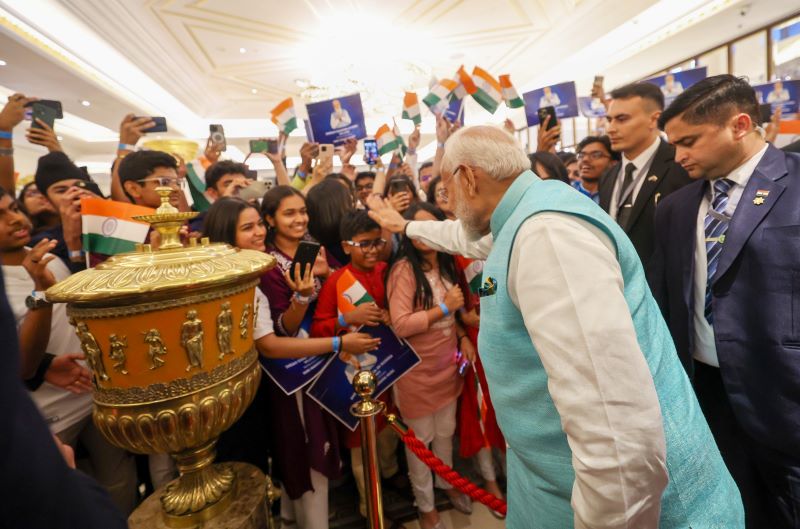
(59,385)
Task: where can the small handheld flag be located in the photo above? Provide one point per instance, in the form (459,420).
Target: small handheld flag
(411,108)
(489,93)
(284,116)
(108,226)
(466,86)
(438,94)
(387,141)
(510,94)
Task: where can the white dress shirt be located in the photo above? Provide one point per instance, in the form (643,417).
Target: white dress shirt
(642,164)
(705,349)
(573,306)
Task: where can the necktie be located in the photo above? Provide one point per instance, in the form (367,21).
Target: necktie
(624,209)
(715,226)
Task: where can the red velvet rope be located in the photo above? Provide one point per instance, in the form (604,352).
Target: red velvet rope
(450,475)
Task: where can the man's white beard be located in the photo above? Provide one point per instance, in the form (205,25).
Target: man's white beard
(470,222)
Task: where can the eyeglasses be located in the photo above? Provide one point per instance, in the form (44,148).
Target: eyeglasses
(32,192)
(365,187)
(596,155)
(164,181)
(376,244)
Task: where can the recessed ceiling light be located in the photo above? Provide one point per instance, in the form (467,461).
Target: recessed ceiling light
(2,62)
(242,50)
(86,103)
(254,90)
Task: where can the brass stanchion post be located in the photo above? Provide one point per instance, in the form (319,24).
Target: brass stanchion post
(364,384)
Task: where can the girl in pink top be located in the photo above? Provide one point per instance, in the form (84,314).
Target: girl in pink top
(423,299)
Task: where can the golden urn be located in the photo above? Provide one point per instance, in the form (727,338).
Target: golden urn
(168,335)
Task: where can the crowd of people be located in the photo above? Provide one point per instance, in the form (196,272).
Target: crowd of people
(620,408)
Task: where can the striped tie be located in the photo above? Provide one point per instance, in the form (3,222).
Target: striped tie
(716,225)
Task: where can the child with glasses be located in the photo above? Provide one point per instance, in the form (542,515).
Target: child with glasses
(362,242)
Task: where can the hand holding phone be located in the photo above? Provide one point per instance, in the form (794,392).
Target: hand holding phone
(258,146)
(45,113)
(160,124)
(300,273)
(543,113)
(217,135)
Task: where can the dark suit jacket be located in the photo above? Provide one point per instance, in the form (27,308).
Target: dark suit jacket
(756,296)
(37,489)
(669,177)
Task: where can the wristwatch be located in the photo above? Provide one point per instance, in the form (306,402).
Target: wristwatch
(36,300)
(7,152)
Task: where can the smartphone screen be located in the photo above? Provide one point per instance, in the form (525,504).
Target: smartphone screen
(217,134)
(272,146)
(306,254)
(257,146)
(548,111)
(371,152)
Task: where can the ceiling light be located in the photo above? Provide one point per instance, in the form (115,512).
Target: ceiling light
(86,103)
(254,90)
(242,50)
(2,62)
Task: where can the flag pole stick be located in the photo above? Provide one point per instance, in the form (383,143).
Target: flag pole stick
(461,110)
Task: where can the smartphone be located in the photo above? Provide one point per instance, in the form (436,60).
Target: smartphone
(306,254)
(160,124)
(765,111)
(272,146)
(257,146)
(598,80)
(398,186)
(371,151)
(45,113)
(326,150)
(55,105)
(255,190)
(217,134)
(548,111)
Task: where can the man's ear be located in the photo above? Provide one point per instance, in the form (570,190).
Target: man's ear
(742,124)
(133,189)
(345,248)
(469,180)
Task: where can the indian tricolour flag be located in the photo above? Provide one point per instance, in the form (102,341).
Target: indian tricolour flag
(401,143)
(387,141)
(466,86)
(437,97)
(510,93)
(283,116)
(473,272)
(109,228)
(411,108)
(489,94)
(350,293)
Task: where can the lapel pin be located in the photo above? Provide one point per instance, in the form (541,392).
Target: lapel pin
(489,287)
(655,201)
(761,196)
(652,178)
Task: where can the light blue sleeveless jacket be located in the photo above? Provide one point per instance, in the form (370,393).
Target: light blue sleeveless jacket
(701,493)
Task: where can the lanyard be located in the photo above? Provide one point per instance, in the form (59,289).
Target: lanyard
(622,195)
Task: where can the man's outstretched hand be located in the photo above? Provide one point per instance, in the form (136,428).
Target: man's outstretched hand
(382,212)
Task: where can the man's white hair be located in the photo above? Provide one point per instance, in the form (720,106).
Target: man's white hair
(489,148)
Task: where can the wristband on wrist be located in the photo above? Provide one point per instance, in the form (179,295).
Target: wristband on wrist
(301,174)
(392,166)
(6,135)
(342,323)
(126,147)
(411,152)
(6,152)
(76,254)
(440,145)
(337,344)
(444,308)
(303,300)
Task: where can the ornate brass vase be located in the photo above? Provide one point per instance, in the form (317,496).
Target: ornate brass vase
(168,334)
